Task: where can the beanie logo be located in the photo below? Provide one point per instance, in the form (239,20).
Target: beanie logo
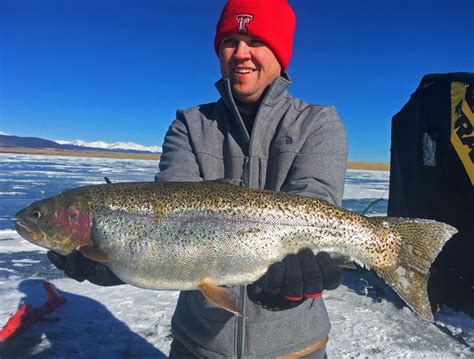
(243,20)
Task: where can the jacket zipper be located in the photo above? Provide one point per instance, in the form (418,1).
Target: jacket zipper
(239,335)
(245,172)
(241,323)
(239,340)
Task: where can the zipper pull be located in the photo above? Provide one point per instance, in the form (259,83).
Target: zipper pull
(245,172)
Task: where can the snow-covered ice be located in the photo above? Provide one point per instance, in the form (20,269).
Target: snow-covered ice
(124,321)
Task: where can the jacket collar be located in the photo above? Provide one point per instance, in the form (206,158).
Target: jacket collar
(278,89)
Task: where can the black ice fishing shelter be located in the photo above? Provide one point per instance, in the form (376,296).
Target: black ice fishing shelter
(432,176)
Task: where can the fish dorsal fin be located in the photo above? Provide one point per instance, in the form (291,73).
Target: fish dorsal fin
(94,253)
(222,297)
(228,181)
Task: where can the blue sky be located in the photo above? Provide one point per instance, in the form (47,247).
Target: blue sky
(118,70)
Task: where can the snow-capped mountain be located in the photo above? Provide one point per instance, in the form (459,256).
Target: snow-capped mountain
(112,146)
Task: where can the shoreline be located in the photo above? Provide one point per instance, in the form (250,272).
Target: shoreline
(351,165)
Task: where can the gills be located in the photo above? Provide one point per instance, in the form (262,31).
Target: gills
(204,235)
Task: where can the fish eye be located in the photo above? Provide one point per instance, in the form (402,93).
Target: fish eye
(36,214)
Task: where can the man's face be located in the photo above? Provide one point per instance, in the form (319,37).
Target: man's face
(249,64)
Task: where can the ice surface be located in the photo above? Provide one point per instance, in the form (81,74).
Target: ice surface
(123,321)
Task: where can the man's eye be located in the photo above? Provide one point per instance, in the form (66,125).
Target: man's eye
(229,42)
(257,42)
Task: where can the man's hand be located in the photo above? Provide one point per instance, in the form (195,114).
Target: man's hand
(80,268)
(297,277)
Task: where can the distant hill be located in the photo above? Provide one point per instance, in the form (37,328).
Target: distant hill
(40,143)
(29,142)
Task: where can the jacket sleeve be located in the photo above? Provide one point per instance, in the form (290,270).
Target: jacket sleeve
(178,162)
(319,169)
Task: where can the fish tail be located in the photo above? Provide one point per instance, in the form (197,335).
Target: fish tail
(421,242)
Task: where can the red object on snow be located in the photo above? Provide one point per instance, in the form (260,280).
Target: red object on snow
(27,315)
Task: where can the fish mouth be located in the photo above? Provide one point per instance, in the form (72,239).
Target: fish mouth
(30,231)
(24,229)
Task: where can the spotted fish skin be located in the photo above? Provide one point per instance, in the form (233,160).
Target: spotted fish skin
(174,235)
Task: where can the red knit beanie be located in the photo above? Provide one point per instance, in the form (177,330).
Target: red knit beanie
(272,21)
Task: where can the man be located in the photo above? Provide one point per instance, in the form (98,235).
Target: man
(257,133)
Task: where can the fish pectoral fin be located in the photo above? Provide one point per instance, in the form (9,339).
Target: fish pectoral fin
(94,253)
(222,297)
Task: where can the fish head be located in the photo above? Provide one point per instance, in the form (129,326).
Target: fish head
(61,223)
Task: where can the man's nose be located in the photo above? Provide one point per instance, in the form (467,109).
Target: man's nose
(242,50)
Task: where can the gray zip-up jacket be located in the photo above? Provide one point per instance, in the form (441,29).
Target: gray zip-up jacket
(294,147)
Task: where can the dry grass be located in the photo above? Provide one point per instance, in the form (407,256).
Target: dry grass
(374,166)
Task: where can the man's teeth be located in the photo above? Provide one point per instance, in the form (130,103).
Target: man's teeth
(243,71)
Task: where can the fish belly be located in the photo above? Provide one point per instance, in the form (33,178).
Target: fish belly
(178,251)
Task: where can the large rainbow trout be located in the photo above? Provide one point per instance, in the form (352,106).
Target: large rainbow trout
(184,236)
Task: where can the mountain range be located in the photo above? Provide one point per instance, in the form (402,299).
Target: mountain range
(112,146)
(7,140)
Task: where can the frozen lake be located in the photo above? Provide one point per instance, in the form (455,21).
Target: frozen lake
(125,321)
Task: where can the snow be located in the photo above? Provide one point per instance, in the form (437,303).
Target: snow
(366,184)
(124,321)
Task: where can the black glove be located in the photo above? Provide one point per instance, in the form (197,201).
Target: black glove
(288,283)
(80,268)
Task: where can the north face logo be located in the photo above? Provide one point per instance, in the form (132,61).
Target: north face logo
(243,20)
(284,140)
